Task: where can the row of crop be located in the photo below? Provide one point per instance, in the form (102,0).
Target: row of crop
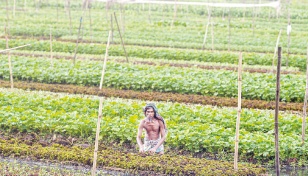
(129,162)
(147,34)
(16,167)
(153,96)
(156,78)
(262,41)
(298,61)
(193,128)
(163,62)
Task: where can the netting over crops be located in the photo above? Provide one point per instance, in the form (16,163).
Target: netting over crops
(243,3)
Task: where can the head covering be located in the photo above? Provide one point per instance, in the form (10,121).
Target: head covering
(156,114)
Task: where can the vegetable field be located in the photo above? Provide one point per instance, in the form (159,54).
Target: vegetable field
(184,58)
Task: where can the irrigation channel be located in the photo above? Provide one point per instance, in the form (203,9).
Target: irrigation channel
(43,168)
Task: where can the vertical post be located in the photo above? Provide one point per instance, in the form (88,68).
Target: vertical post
(77,42)
(174,13)
(212,34)
(57,10)
(14,8)
(239,109)
(207,26)
(277,42)
(111,26)
(25,4)
(91,31)
(253,21)
(123,19)
(100,110)
(9,57)
(7,16)
(305,104)
(69,15)
(289,33)
(277,164)
(115,17)
(51,54)
(149,13)
(229,19)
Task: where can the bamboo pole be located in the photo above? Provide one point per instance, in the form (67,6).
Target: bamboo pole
(51,54)
(212,27)
(174,13)
(277,42)
(14,8)
(7,15)
(78,37)
(9,58)
(69,15)
(289,33)
(229,19)
(305,104)
(25,5)
(244,14)
(253,21)
(115,17)
(111,26)
(57,10)
(77,42)
(239,109)
(91,31)
(123,19)
(10,49)
(277,164)
(149,14)
(100,110)
(207,26)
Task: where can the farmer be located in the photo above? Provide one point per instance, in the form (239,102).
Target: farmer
(155,128)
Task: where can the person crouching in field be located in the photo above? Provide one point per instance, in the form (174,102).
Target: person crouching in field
(155,128)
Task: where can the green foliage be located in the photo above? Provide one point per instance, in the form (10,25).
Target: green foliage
(130,162)
(156,78)
(193,128)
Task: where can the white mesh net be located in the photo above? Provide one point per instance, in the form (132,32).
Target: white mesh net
(243,3)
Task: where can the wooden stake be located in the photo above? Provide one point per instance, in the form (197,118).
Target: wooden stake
(123,19)
(10,49)
(239,109)
(207,26)
(289,33)
(111,26)
(212,34)
(7,16)
(305,104)
(51,54)
(277,164)
(115,17)
(149,14)
(14,8)
(229,19)
(277,42)
(57,10)
(9,58)
(174,13)
(100,109)
(69,15)
(253,22)
(91,31)
(77,42)
(25,5)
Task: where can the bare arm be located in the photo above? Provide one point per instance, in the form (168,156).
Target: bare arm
(139,134)
(163,135)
